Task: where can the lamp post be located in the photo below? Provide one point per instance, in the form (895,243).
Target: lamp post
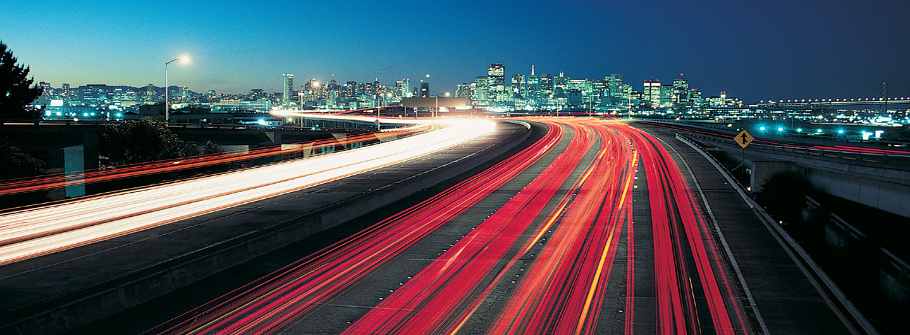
(183,59)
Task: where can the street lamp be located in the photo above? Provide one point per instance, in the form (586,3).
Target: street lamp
(182,59)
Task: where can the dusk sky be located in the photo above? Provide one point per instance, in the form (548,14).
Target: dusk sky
(755,50)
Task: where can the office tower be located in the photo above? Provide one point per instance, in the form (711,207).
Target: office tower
(480,91)
(288,89)
(496,82)
(681,91)
(518,85)
(425,90)
(561,83)
(695,96)
(616,85)
(546,88)
(651,92)
(463,90)
(666,95)
(406,88)
(599,90)
(532,86)
(350,90)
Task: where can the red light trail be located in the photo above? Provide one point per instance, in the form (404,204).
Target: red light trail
(560,236)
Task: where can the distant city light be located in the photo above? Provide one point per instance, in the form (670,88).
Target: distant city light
(799,130)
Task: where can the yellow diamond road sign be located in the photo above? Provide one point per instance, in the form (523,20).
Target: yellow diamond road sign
(743,138)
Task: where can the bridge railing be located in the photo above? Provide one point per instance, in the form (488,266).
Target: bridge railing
(827,286)
(880,158)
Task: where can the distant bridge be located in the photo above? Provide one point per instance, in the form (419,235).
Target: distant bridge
(821,103)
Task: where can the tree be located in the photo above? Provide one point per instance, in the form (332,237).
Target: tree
(16,90)
(139,141)
(17,163)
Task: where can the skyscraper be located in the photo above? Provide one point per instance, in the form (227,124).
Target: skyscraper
(480,91)
(496,82)
(546,89)
(288,90)
(406,88)
(463,91)
(651,92)
(425,90)
(680,91)
(532,85)
(616,88)
(518,86)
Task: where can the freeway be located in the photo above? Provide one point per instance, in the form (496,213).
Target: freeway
(593,228)
(43,230)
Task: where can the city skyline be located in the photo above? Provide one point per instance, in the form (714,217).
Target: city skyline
(768,50)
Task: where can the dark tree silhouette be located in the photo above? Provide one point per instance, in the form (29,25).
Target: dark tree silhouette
(17,163)
(139,141)
(16,89)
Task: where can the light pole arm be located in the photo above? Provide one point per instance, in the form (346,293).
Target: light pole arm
(166,100)
(166,116)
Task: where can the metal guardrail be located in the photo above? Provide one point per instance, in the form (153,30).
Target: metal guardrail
(837,154)
(838,300)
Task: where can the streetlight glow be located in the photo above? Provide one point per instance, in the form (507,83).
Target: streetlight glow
(184,60)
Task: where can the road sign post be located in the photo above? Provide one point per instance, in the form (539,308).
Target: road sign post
(743,139)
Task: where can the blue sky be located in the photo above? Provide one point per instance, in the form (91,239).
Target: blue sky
(770,49)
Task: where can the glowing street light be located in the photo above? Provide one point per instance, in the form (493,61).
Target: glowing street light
(182,59)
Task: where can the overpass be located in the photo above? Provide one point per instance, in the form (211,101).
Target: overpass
(876,177)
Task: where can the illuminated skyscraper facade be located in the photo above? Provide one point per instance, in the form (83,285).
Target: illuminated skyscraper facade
(651,92)
(680,91)
(496,83)
(532,87)
(546,89)
(288,90)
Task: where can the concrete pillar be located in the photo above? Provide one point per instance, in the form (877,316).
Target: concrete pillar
(274,136)
(74,171)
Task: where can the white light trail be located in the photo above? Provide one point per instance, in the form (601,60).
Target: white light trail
(38,231)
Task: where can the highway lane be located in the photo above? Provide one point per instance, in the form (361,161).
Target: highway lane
(554,254)
(272,302)
(43,230)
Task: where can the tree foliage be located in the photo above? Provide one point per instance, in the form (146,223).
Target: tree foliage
(16,90)
(16,163)
(139,141)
